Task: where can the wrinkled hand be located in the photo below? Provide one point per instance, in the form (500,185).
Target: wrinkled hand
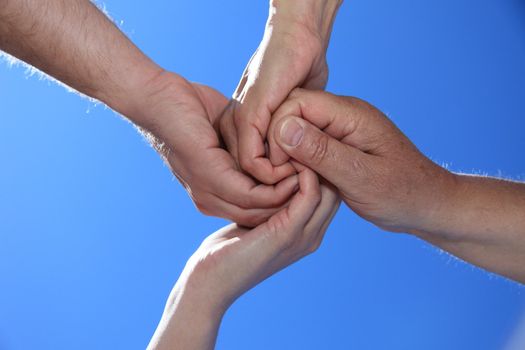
(291,54)
(380,174)
(182,120)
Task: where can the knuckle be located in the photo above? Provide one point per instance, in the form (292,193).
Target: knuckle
(278,232)
(357,167)
(295,94)
(357,103)
(250,112)
(318,150)
(245,202)
(203,207)
(246,163)
(313,247)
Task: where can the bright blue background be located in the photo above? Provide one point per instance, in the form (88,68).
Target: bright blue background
(94,229)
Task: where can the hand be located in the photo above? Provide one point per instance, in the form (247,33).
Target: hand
(234,259)
(291,54)
(384,178)
(179,118)
(380,174)
(180,121)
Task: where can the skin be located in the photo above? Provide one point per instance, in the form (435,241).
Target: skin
(233,260)
(378,172)
(74,42)
(291,54)
(384,178)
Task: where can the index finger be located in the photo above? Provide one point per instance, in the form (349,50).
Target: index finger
(239,189)
(253,158)
(347,119)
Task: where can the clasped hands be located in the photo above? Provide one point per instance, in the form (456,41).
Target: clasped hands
(276,160)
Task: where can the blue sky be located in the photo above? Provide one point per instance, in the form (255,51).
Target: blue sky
(94,229)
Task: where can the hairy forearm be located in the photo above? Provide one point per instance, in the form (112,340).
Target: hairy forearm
(73,41)
(483,222)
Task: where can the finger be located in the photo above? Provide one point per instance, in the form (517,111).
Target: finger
(322,109)
(318,78)
(241,216)
(216,173)
(252,156)
(239,189)
(347,119)
(266,83)
(323,216)
(214,101)
(337,162)
(298,166)
(289,107)
(311,234)
(286,224)
(228,133)
(264,245)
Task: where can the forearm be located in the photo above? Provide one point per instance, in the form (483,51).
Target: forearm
(316,15)
(73,41)
(483,222)
(186,324)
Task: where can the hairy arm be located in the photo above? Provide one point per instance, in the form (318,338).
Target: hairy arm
(73,41)
(384,178)
(483,222)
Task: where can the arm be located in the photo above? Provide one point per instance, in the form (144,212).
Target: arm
(77,44)
(384,178)
(233,260)
(292,54)
(483,222)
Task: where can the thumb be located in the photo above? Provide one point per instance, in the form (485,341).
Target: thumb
(335,161)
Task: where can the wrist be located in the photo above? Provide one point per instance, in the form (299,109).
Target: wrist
(148,100)
(185,323)
(199,290)
(186,300)
(436,208)
(134,93)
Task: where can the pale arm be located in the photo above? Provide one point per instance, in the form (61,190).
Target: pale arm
(234,259)
(187,322)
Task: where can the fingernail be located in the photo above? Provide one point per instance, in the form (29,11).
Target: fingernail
(291,132)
